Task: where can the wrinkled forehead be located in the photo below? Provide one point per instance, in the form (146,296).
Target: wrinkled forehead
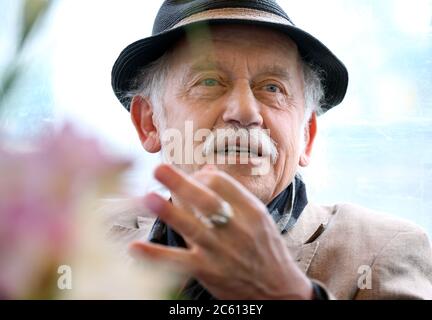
(211,42)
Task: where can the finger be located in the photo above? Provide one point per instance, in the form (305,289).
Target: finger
(179,257)
(180,220)
(228,188)
(188,190)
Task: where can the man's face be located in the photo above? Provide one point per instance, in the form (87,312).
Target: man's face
(241,76)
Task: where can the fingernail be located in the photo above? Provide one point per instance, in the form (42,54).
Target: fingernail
(164,174)
(153,202)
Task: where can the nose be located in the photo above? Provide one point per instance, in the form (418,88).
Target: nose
(242,108)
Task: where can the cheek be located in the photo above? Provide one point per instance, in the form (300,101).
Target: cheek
(189,122)
(286,131)
(182,109)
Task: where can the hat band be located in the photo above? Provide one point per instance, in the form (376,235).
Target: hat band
(233,13)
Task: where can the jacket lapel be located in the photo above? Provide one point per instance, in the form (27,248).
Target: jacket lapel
(302,238)
(303,254)
(145,223)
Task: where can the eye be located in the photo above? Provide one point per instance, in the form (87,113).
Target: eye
(273,88)
(210,82)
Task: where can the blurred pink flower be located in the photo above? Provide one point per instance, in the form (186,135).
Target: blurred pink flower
(40,192)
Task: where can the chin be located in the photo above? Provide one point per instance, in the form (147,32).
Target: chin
(257,184)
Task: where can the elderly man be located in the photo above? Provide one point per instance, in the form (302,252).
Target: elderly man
(238,220)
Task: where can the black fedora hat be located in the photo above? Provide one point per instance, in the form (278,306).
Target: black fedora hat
(175,16)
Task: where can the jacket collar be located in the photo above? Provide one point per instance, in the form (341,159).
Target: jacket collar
(303,239)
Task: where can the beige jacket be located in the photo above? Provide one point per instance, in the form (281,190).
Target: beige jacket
(352,252)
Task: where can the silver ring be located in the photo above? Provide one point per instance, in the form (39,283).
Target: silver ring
(222,216)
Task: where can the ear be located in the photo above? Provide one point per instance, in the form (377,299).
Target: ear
(142,118)
(310,133)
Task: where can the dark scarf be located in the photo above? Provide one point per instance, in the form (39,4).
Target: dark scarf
(279,208)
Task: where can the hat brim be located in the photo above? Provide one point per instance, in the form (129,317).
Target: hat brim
(142,52)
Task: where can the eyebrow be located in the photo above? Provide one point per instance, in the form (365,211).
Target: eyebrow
(199,66)
(205,66)
(275,70)
(271,69)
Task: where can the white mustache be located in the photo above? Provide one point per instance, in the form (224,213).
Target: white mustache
(236,139)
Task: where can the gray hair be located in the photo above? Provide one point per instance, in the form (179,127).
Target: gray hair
(313,90)
(150,83)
